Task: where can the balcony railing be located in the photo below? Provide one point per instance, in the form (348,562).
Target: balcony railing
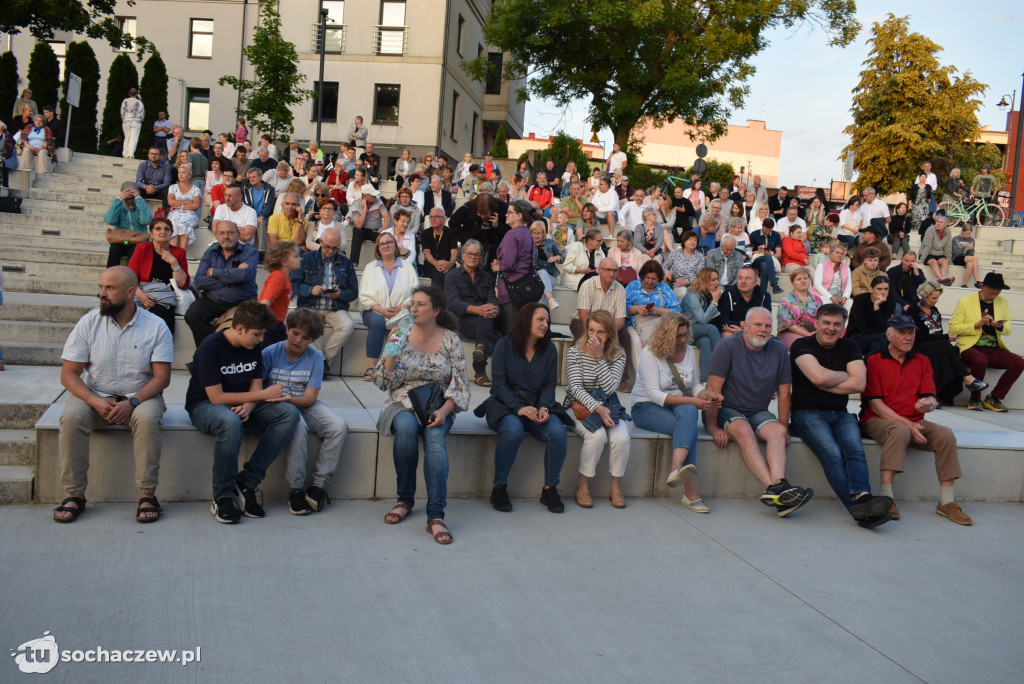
(335,39)
(390,40)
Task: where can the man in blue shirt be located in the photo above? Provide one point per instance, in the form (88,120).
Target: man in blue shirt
(764,245)
(226,276)
(261,198)
(154,176)
(127,222)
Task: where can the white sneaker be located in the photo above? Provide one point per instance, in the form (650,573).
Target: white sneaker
(553,303)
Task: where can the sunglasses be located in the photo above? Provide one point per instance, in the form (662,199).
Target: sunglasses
(321,194)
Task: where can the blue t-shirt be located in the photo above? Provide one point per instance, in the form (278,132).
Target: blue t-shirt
(758,239)
(295,376)
(217,362)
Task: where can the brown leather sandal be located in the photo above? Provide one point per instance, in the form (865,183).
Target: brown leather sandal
(483,381)
(398,513)
(442,536)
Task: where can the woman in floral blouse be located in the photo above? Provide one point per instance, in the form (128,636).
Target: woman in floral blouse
(799,309)
(681,265)
(431,352)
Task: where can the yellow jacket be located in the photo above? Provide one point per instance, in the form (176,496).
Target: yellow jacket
(968,312)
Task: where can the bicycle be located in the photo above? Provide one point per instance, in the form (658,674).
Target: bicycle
(980,212)
(669,184)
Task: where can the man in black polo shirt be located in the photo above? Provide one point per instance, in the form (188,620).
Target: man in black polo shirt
(439,248)
(826,370)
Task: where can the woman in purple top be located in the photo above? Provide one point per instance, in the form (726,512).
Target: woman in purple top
(515,254)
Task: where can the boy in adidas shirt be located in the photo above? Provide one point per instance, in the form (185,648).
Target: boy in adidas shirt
(299,369)
(225,396)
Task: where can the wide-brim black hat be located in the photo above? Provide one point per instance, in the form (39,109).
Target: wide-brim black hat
(995,281)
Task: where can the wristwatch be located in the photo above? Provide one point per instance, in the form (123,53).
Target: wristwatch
(134,401)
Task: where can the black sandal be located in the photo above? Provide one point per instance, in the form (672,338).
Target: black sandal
(155,509)
(75,512)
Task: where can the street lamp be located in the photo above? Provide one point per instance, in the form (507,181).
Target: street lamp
(320,90)
(1003,104)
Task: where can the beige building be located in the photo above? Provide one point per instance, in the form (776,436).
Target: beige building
(396,63)
(752,149)
(531,141)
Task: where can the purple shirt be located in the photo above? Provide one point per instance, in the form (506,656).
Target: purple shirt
(515,256)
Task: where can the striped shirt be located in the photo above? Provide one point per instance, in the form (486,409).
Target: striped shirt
(587,373)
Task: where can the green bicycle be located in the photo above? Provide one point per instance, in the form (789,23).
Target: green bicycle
(980,212)
(669,185)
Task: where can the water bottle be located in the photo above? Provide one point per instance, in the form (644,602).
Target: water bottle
(398,336)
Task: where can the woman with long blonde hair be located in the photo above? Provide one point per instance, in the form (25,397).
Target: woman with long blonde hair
(666,397)
(596,362)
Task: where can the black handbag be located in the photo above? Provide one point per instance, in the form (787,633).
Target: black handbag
(426,399)
(529,288)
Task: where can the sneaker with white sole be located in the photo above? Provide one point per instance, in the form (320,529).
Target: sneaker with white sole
(553,304)
(782,510)
(317,498)
(681,475)
(297,504)
(245,501)
(225,511)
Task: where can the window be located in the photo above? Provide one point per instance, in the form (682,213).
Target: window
(453,132)
(60,48)
(127,26)
(385,103)
(200,38)
(335,28)
(460,36)
(330,100)
(479,51)
(197,109)
(494,76)
(391,32)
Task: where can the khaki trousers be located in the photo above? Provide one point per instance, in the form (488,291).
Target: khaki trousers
(895,438)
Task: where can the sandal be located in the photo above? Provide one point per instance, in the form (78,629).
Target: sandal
(154,508)
(442,536)
(75,512)
(368,375)
(483,381)
(398,513)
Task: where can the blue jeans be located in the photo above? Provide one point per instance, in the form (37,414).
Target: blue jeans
(705,337)
(849,240)
(406,454)
(757,419)
(678,421)
(834,437)
(766,267)
(377,335)
(510,431)
(277,421)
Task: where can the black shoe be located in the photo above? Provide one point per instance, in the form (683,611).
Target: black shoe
(317,498)
(297,504)
(781,494)
(869,506)
(224,511)
(245,500)
(782,510)
(549,497)
(874,521)
(327,368)
(499,499)
(776,289)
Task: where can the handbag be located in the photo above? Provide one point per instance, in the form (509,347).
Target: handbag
(529,288)
(626,275)
(426,399)
(581,412)
(185,298)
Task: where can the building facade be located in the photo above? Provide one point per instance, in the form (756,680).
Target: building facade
(396,63)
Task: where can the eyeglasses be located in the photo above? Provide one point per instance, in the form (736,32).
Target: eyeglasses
(321,194)
(326,247)
(475,255)
(387,243)
(437,218)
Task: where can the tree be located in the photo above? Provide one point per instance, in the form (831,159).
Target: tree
(81,61)
(500,148)
(970,158)
(93,18)
(44,75)
(8,83)
(717,172)
(643,61)
(565,148)
(123,77)
(154,96)
(908,109)
(266,102)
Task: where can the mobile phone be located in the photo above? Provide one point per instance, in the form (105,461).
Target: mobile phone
(649,306)
(331,290)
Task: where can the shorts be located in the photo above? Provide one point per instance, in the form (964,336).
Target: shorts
(933,257)
(757,419)
(959,260)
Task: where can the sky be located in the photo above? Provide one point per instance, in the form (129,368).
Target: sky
(803,87)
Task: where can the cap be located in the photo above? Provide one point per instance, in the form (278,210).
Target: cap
(985,166)
(369,190)
(901,322)
(995,281)
(319,161)
(873,229)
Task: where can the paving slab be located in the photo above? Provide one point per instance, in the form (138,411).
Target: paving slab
(650,593)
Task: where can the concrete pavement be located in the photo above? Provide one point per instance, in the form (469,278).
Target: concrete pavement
(651,593)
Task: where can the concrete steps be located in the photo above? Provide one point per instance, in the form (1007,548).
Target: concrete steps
(35,331)
(16,484)
(24,306)
(33,353)
(17,447)
(44,285)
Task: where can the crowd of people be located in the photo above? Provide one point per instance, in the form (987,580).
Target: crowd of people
(682,272)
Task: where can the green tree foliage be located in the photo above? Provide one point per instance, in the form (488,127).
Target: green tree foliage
(644,177)
(93,18)
(81,61)
(44,75)
(500,148)
(123,77)
(717,172)
(970,158)
(564,149)
(8,83)
(154,95)
(908,108)
(643,61)
(266,101)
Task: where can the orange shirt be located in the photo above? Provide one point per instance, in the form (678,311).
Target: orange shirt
(278,289)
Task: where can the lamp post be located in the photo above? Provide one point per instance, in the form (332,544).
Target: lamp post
(1016,152)
(320,89)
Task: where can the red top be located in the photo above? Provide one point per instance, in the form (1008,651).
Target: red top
(543,196)
(278,289)
(793,252)
(217,193)
(898,385)
(142,261)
